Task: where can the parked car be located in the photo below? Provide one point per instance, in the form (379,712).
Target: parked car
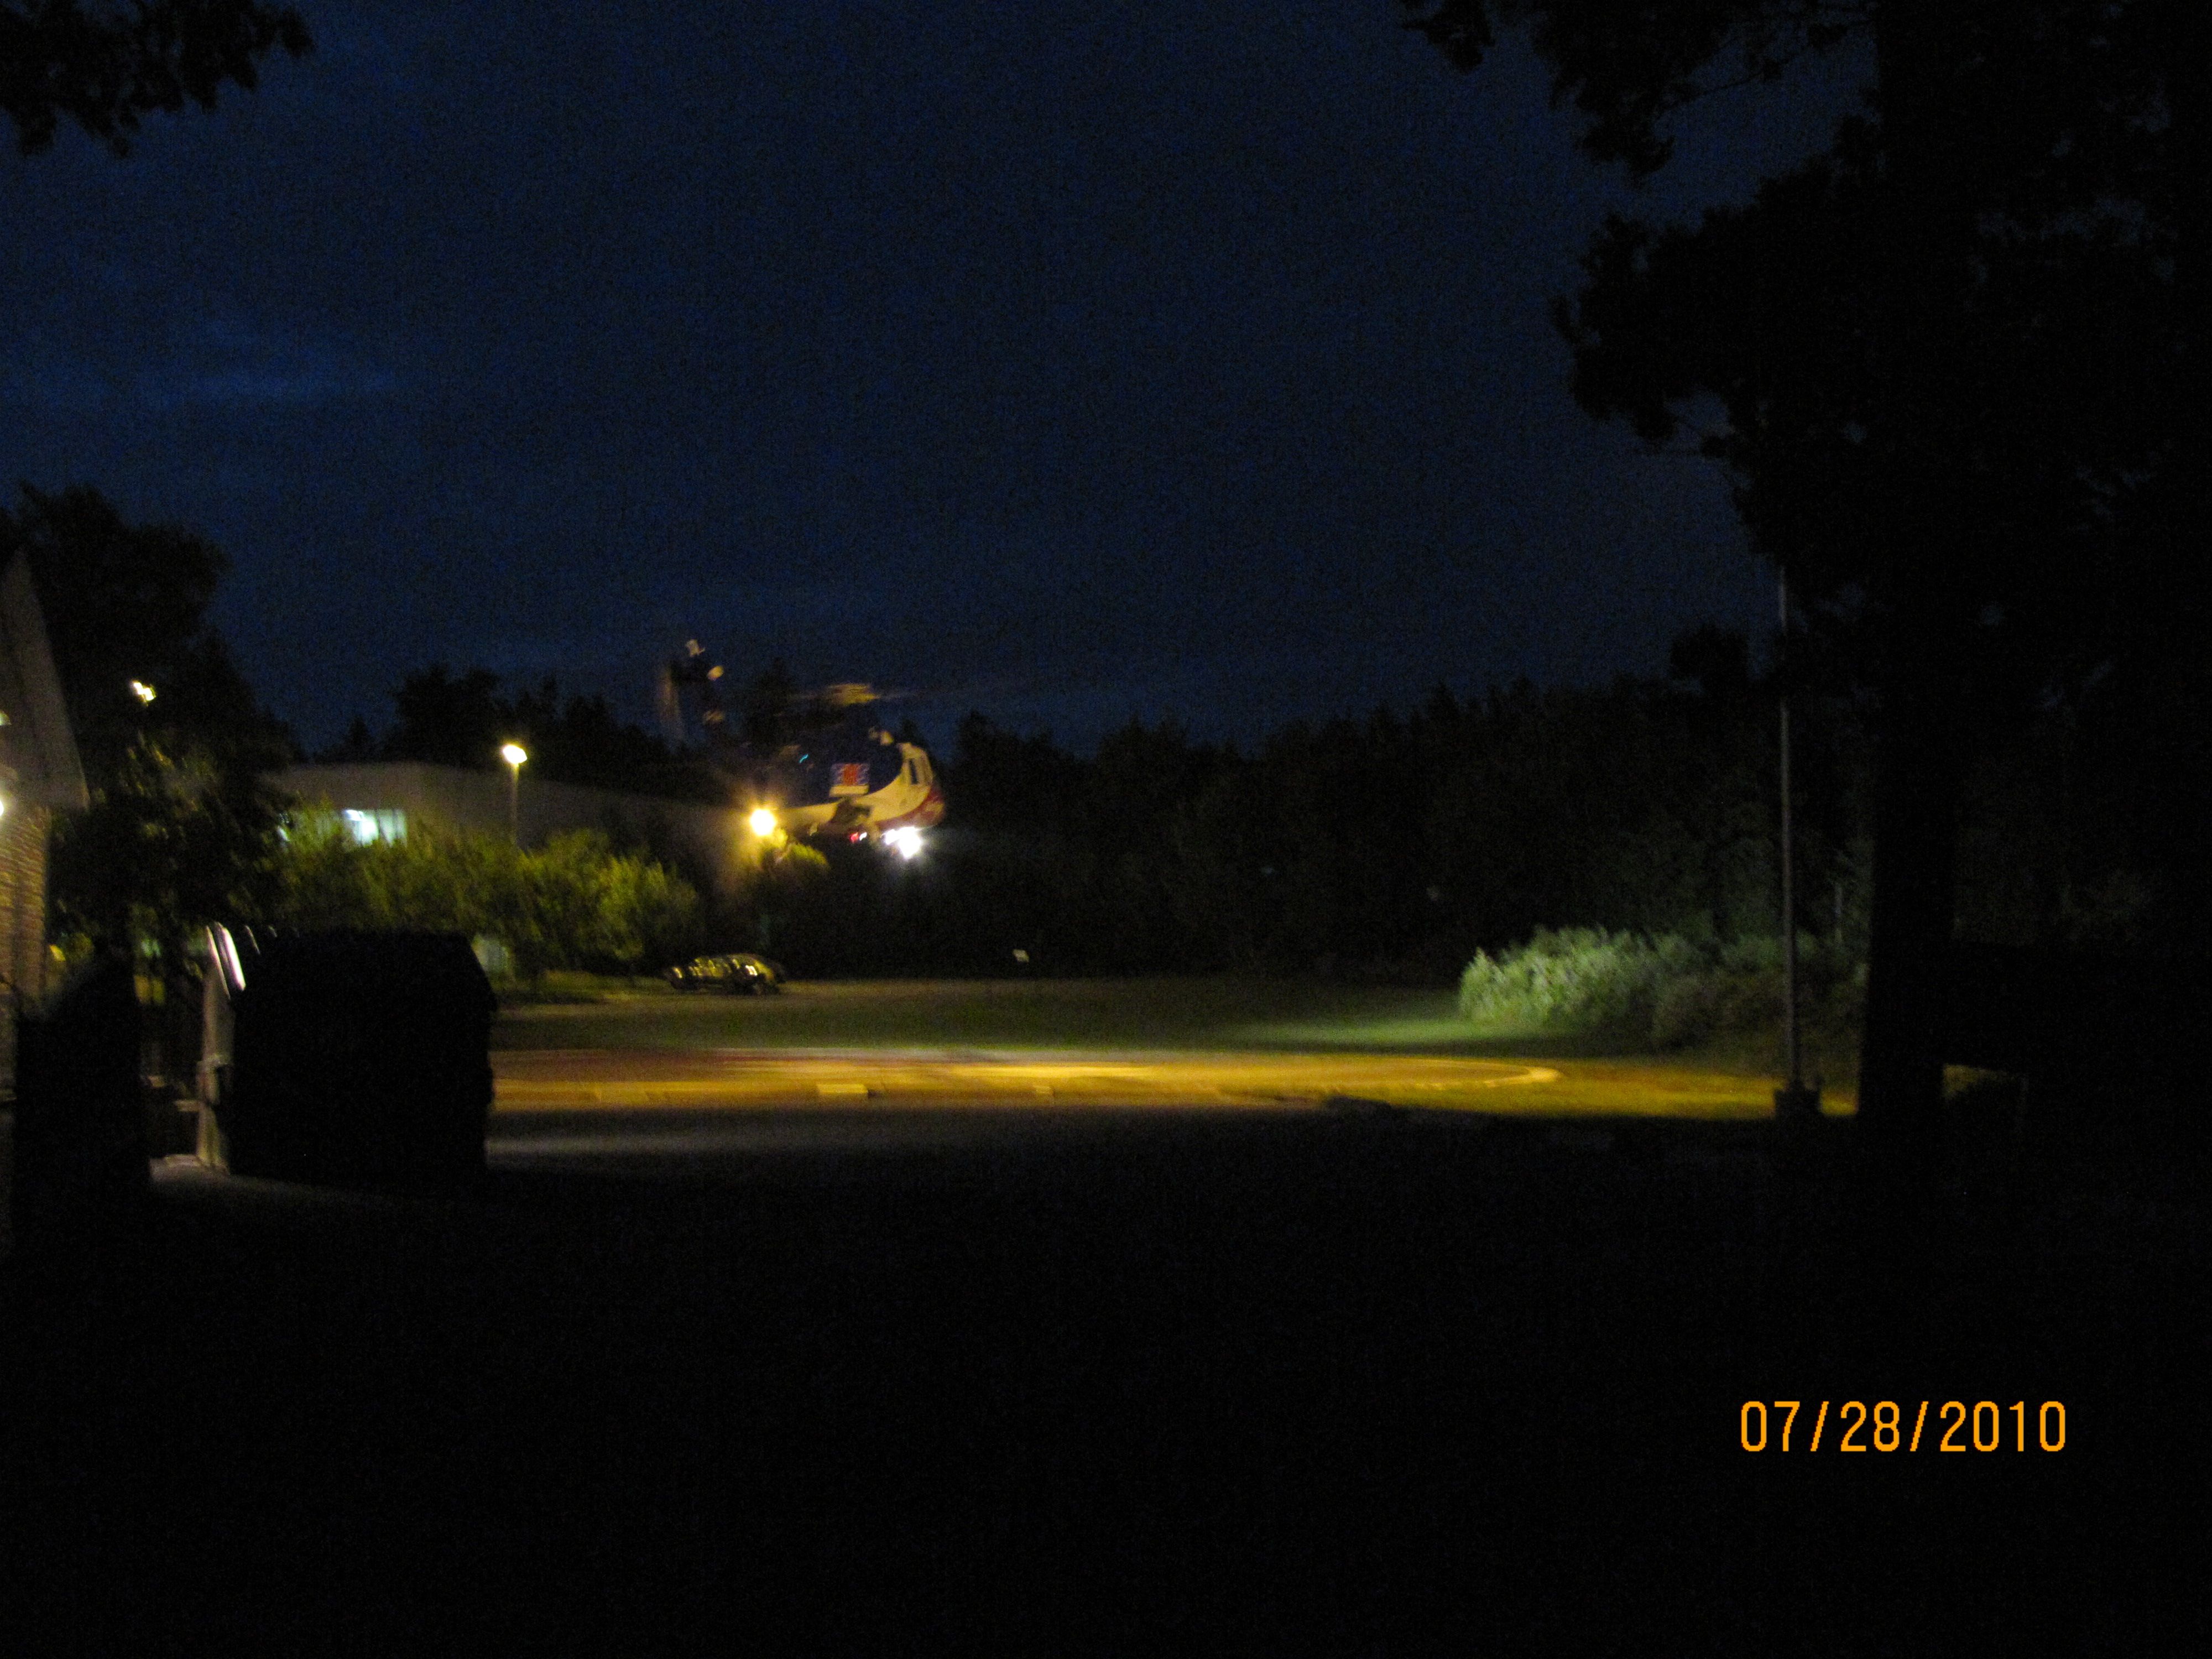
(738,974)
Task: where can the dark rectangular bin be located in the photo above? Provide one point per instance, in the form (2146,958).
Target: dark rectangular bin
(355,1059)
(80,1146)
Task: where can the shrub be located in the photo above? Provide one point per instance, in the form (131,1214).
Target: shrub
(1663,989)
(1575,979)
(575,903)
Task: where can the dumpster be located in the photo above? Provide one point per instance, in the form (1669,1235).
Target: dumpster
(349,1059)
(80,1149)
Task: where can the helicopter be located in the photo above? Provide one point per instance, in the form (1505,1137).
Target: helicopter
(815,764)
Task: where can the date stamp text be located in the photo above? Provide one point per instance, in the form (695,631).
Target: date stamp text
(1884,1425)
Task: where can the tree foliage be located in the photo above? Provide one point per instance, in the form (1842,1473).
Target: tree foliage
(126,604)
(462,720)
(2069,334)
(575,902)
(171,841)
(1958,362)
(180,830)
(107,66)
(1627,65)
(2043,368)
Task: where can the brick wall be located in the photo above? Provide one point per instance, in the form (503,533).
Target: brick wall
(22,920)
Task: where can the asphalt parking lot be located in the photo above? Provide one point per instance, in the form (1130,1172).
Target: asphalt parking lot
(1324,1380)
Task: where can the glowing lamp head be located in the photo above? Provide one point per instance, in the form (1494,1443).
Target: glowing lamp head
(141,691)
(514,754)
(762,822)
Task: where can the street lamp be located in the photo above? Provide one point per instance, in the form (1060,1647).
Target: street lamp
(1794,1102)
(514,754)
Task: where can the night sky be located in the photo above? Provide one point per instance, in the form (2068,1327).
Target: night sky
(1166,359)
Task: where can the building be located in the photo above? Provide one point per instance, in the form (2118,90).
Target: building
(39,774)
(382,800)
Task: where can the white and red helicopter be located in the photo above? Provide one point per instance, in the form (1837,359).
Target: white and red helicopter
(811,765)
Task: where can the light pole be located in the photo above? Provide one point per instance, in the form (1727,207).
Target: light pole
(1793,1100)
(514,754)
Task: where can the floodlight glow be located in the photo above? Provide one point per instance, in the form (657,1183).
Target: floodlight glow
(762,823)
(514,754)
(905,840)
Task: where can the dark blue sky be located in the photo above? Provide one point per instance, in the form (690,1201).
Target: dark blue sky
(1136,359)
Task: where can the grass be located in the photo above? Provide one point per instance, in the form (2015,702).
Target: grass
(1616,1069)
(1189,1015)
(564,988)
(1194,1015)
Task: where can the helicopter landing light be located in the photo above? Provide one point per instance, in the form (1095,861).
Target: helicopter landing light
(905,840)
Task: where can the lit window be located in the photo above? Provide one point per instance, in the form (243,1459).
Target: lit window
(368,827)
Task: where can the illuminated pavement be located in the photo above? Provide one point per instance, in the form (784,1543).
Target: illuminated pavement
(552,1080)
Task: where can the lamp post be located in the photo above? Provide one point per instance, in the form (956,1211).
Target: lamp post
(514,754)
(1794,1100)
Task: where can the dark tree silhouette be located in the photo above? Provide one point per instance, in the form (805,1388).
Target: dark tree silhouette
(1716,660)
(106,67)
(181,829)
(449,720)
(1954,355)
(126,604)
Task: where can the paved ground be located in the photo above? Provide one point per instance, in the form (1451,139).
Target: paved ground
(1254,1380)
(1075,1043)
(548,1078)
(552,1079)
(1176,1358)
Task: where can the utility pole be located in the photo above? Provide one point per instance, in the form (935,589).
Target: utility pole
(1793,1101)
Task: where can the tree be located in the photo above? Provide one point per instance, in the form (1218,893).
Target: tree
(450,719)
(126,609)
(575,903)
(180,830)
(578,740)
(167,845)
(106,67)
(1954,357)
